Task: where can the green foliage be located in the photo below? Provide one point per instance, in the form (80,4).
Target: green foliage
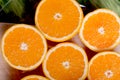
(110,4)
(15,6)
(83,2)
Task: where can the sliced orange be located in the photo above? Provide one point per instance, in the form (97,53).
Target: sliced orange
(66,61)
(58,20)
(104,66)
(100,30)
(23,47)
(34,77)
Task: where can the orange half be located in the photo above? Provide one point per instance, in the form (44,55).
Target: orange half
(104,66)
(66,61)
(23,47)
(100,30)
(34,77)
(58,20)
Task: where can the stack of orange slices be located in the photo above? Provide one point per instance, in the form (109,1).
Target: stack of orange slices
(24,47)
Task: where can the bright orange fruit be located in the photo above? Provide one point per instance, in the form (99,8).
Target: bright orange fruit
(58,20)
(34,77)
(23,47)
(66,61)
(100,30)
(104,66)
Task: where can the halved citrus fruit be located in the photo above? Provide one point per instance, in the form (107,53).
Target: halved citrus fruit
(100,30)
(23,47)
(34,77)
(58,20)
(66,61)
(104,66)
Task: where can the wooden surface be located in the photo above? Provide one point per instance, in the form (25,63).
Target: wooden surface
(6,72)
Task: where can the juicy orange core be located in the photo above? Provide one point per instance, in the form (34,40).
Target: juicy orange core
(57,16)
(23,46)
(66,64)
(108,73)
(101,30)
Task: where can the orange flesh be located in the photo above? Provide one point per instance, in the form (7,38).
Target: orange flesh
(103,63)
(111,30)
(63,54)
(34,79)
(58,28)
(20,57)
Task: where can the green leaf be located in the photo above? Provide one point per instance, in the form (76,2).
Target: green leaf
(113,5)
(15,6)
(84,2)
